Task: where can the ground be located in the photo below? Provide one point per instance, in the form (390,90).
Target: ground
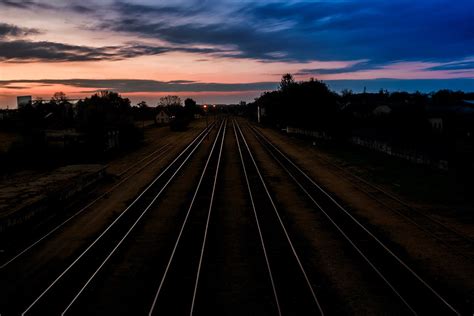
(234,279)
(411,183)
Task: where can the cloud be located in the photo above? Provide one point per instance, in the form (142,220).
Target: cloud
(10,31)
(17,51)
(28,51)
(13,87)
(452,67)
(26,4)
(134,85)
(383,31)
(364,65)
(145,87)
(458,65)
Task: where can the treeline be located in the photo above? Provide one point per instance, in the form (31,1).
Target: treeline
(48,132)
(93,118)
(440,124)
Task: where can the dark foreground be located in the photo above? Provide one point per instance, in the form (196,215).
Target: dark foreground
(231,224)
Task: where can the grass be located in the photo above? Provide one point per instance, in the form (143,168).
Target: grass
(420,184)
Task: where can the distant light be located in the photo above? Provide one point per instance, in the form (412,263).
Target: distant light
(205,106)
(214,105)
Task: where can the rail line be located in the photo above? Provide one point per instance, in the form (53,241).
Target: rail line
(181,265)
(59,290)
(146,156)
(448,236)
(413,291)
(254,209)
(157,155)
(126,170)
(294,291)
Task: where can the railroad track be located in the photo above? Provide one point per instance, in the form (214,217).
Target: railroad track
(414,293)
(59,295)
(148,158)
(180,279)
(444,234)
(294,292)
(19,250)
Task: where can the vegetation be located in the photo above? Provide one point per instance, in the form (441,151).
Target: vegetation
(439,124)
(104,115)
(59,131)
(181,115)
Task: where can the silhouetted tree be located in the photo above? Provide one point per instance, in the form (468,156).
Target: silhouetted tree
(144,112)
(286,82)
(103,112)
(59,97)
(170,101)
(190,107)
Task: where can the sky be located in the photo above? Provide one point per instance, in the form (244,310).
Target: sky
(224,51)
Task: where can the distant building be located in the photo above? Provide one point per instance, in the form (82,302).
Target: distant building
(23,101)
(163,117)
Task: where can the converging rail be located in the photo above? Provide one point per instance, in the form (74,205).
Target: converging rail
(413,291)
(180,279)
(447,236)
(293,290)
(60,294)
(156,155)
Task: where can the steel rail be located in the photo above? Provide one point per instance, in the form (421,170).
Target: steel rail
(143,159)
(378,241)
(262,242)
(127,233)
(281,223)
(100,197)
(207,221)
(429,220)
(165,274)
(197,139)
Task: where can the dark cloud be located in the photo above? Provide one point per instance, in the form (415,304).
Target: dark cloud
(461,65)
(148,86)
(246,40)
(14,87)
(26,4)
(9,30)
(132,85)
(366,65)
(383,31)
(249,44)
(28,51)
